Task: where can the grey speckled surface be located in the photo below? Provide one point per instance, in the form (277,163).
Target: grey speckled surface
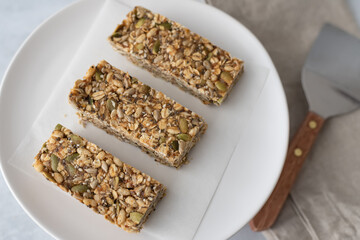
(324,204)
(17,20)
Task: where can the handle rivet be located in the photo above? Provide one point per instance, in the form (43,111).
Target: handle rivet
(312,124)
(298,152)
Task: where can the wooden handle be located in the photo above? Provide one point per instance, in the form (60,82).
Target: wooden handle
(298,150)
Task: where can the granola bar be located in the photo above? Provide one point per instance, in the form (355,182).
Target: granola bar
(180,56)
(136,113)
(123,194)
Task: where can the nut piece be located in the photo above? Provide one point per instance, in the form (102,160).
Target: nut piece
(130,200)
(58,177)
(93,184)
(104,166)
(197,56)
(156,115)
(124,191)
(38,166)
(173,130)
(48,176)
(98,95)
(139,46)
(151,33)
(57,134)
(140,38)
(113,170)
(117,162)
(122,217)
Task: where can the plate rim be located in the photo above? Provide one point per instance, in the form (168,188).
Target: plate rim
(78,2)
(22,46)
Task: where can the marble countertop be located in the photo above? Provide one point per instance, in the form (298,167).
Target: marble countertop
(17,20)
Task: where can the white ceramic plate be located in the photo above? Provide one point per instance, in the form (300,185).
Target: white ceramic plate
(246,184)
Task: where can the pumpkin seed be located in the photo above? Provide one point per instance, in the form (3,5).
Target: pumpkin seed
(72,157)
(91,101)
(54,162)
(220,100)
(98,76)
(221,86)
(156,47)
(110,104)
(183,125)
(162,140)
(226,77)
(79,188)
(139,46)
(75,139)
(145,89)
(165,25)
(48,176)
(140,22)
(175,145)
(71,169)
(183,136)
(58,127)
(136,217)
(134,80)
(116,35)
(209,56)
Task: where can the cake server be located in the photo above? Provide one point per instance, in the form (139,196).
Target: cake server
(331,81)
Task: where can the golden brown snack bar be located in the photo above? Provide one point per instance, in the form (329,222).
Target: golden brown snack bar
(134,112)
(110,187)
(175,53)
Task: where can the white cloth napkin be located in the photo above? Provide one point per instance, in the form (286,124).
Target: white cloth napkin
(190,189)
(325,201)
